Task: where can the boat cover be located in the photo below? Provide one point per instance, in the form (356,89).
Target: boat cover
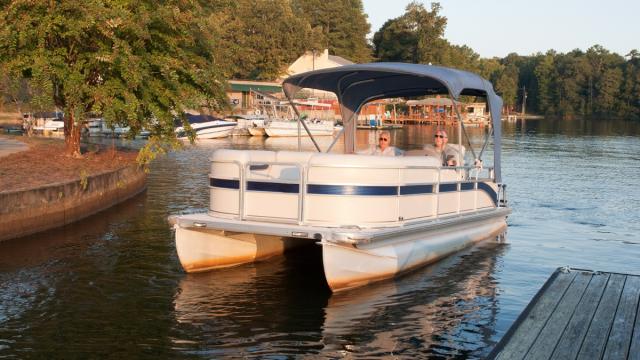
(358,84)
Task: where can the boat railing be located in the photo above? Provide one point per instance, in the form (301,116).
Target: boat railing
(257,181)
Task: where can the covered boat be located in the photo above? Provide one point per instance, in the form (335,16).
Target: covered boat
(375,217)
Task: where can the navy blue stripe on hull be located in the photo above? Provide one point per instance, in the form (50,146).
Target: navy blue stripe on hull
(489,190)
(224,183)
(448,188)
(318,189)
(416,189)
(351,190)
(273,187)
(466,186)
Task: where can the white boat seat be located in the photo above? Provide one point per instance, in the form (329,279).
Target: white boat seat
(289,172)
(419,152)
(242,157)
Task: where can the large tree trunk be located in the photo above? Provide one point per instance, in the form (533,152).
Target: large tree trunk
(72,135)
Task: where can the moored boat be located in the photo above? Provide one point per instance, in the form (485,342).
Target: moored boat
(206,127)
(248,122)
(375,217)
(316,127)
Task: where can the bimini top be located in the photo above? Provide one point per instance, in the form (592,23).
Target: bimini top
(358,84)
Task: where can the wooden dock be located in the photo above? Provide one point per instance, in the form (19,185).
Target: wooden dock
(578,314)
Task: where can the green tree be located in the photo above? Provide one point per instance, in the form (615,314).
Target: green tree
(630,91)
(544,71)
(608,91)
(264,37)
(459,57)
(487,68)
(567,99)
(395,41)
(416,36)
(137,62)
(506,84)
(14,89)
(342,23)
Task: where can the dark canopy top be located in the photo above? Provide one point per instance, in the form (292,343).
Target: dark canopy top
(358,84)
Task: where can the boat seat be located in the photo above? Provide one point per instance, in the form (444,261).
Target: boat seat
(418,152)
(243,157)
(289,172)
(371,169)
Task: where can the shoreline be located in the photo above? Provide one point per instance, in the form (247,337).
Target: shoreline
(43,189)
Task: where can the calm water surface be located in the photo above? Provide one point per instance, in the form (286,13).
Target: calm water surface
(112,286)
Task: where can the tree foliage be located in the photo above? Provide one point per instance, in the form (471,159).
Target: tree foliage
(263,37)
(137,62)
(341,26)
(415,37)
(595,83)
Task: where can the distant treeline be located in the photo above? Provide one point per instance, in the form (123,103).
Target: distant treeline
(595,83)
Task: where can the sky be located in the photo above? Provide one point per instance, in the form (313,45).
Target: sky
(495,28)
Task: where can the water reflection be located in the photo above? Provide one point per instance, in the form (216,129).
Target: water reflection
(40,293)
(111,285)
(283,306)
(446,309)
(37,249)
(270,306)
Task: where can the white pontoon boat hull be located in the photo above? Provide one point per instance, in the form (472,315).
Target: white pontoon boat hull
(348,267)
(202,250)
(350,258)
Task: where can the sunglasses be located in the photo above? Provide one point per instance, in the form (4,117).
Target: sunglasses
(383,139)
(440,136)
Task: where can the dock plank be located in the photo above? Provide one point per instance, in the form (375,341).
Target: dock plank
(559,319)
(634,349)
(535,316)
(596,338)
(622,330)
(571,340)
(578,314)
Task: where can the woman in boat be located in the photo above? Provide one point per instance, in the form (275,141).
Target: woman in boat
(384,147)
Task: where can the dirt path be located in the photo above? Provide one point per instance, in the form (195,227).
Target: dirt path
(44,162)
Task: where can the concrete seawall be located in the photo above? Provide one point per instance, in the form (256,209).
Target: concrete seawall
(26,212)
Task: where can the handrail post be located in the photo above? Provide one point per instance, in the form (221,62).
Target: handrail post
(398,185)
(437,192)
(301,194)
(241,188)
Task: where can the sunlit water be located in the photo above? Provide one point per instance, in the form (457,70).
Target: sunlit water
(111,285)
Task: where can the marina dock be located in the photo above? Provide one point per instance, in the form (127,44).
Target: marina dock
(578,314)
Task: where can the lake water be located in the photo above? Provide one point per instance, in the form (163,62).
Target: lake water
(111,285)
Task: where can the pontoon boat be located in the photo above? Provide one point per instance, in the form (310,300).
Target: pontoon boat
(375,217)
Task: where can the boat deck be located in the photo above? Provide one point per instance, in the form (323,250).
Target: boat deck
(578,314)
(350,235)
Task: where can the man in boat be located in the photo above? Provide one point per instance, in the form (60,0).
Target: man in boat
(384,147)
(448,154)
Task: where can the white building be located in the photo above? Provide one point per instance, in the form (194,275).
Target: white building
(315,60)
